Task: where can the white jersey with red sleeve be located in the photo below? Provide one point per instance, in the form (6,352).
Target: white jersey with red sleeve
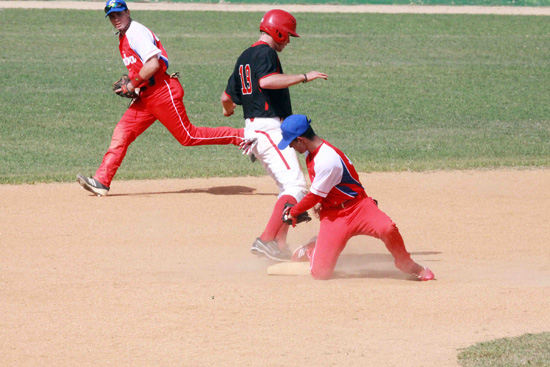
(137,46)
(333,176)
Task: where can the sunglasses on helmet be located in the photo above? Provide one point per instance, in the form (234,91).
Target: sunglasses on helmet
(115,5)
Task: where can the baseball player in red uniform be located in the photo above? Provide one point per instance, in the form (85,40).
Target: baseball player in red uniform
(345,210)
(259,85)
(160,98)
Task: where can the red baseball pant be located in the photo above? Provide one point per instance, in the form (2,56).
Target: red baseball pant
(161,102)
(339,225)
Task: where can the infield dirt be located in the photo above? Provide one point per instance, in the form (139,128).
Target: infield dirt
(159,274)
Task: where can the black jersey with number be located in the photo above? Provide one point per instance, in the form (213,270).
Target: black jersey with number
(243,86)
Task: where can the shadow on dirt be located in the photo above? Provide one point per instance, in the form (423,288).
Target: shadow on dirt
(375,266)
(220,190)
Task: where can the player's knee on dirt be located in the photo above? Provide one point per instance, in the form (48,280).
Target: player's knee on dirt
(322,274)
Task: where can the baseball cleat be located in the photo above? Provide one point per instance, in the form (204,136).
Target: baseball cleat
(425,274)
(93,186)
(304,252)
(269,249)
(285,250)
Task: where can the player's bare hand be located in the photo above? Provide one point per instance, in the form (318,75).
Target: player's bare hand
(317,210)
(287,218)
(286,212)
(312,75)
(229,111)
(129,88)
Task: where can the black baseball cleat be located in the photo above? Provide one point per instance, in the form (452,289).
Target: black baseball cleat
(269,249)
(93,186)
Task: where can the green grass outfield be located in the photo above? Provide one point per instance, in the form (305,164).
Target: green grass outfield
(532,350)
(406,92)
(375,2)
(393,2)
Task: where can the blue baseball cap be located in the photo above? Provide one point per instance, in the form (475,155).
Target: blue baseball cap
(115,6)
(292,127)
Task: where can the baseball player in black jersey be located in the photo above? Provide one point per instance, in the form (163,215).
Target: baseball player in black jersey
(259,85)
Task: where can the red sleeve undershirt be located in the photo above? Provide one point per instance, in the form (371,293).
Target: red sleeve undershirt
(306,203)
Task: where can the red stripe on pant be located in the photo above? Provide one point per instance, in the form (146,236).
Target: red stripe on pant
(274,146)
(163,103)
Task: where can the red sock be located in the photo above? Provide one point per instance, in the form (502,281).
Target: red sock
(276,221)
(281,236)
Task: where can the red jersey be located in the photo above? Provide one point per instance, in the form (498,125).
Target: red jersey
(333,176)
(137,46)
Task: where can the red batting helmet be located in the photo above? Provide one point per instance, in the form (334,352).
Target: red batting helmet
(279,24)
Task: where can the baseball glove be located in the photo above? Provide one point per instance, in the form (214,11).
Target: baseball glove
(120,87)
(302,217)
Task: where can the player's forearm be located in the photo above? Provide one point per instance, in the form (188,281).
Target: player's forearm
(308,202)
(145,73)
(149,68)
(280,81)
(227,104)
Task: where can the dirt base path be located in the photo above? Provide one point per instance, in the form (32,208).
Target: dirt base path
(413,9)
(159,274)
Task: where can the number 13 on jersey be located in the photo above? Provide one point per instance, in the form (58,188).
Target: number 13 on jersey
(246,82)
